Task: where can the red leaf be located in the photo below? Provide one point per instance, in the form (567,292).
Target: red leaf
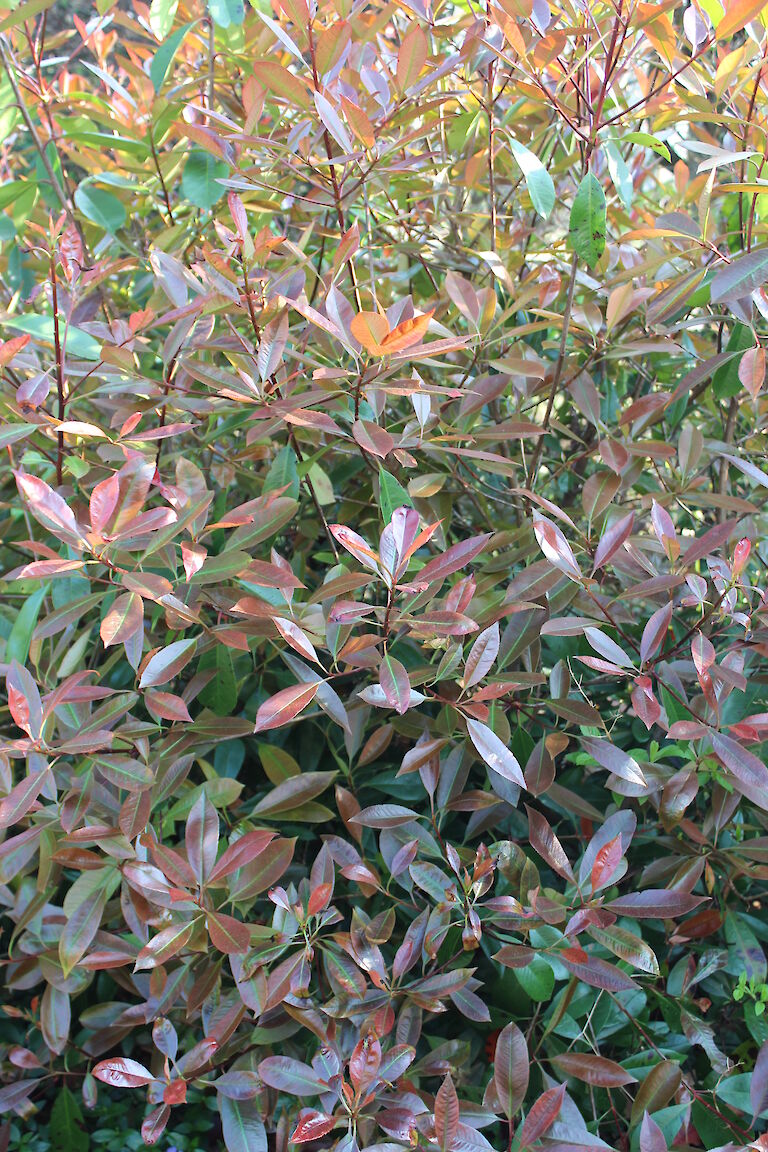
(541,1116)
(175,1092)
(453,559)
(511,1069)
(227,934)
(372,438)
(285,705)
(123,1073)
(593,1069)
(241,852)
(395,684)
(446,1114)
(312,1126)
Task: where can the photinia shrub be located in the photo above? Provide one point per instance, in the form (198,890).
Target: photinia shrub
(383,547)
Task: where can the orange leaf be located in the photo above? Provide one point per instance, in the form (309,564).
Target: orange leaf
(370,329)
(738,14)
(407,333)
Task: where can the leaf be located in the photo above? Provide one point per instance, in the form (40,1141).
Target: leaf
(614,760)
(20,637)
(411,58)
(245,849)
(372,438)
(555,547)
(163,57)
(161,14)
(123,620)
(594,1069)
(285,706)
(750,775)
(283,473)
(738,13)
(25,11)
(482,655)
(166,664)
(21,798)
(494,753)
(655,632)
(384,816)
(612,539)
(163,946)
(48,507)
(84,904)
(446,1114)
(200,181)
(595,972)
(123,1073)
(454,558)
(288,1075)
(542,1116)
(67,1133)
(392,495)
(758,1085)
(395,684)
(544,841)
(154,1124)
(293,792)
(651,1136)
(220,693)
(511,1069)
(657,1089)
(226,13)
(241,1125)
(227,934)
(312,1126)
(742,276)
(201,837)
(655,903)
(369,329)
(272,342)
(586,233)
(333,122)
(541,188)
(101,206)
(752,370)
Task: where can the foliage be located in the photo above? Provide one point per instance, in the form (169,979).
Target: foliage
(383,547)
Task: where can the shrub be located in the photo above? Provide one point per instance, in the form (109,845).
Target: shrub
(383,551)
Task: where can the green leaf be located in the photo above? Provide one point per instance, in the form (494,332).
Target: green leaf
(162,59)
(17,644)
(725,381)
(161,14)
(226,12)
(283,473)
(79,343)
(538,181)
(649,141)
(66,1131)
(9,113)
(101,207)
(242,1126)
(391,495)
(199,183)
(537,978)
(25,12)
(588,221)
(220,693)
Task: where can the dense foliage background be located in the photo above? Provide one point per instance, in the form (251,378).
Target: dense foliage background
(383,548)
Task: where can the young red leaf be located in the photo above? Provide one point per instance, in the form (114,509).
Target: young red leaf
(120,1072)
(285,706)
